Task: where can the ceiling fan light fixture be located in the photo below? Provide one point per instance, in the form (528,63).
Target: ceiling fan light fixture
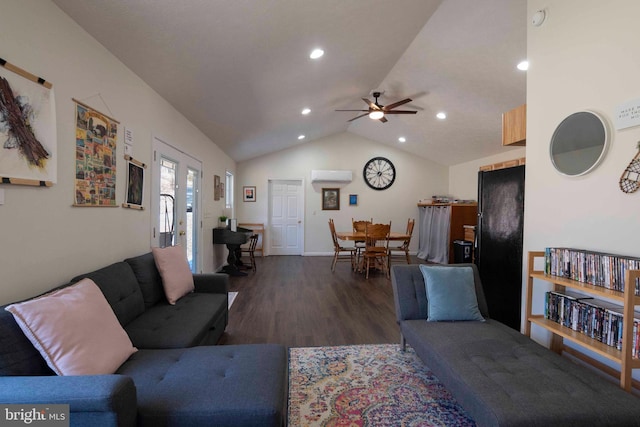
(376,115)
(316,53)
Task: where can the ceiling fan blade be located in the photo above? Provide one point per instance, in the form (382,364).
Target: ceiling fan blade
(371,104)
(396,104)
(353,110)
(400,112)
(357,117)
(383,119)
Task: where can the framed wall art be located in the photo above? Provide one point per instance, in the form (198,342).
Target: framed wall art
(249,194)
(135,183)
(96,140)
(353,199)
(330,199)
(216,187)
(28,145)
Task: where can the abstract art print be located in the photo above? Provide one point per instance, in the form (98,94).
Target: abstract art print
(28,152)
(96,139)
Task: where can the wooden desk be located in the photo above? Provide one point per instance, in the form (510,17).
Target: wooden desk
(359,235)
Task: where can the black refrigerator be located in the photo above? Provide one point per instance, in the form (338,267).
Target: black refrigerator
(499,241)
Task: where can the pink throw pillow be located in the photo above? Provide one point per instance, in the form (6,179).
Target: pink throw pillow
(75,330)
(177,279)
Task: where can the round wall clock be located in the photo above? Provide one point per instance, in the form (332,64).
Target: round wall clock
(379,173)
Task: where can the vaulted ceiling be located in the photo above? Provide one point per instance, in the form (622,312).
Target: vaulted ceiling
(240,70)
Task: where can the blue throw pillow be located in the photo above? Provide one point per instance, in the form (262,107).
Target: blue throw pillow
(451,293)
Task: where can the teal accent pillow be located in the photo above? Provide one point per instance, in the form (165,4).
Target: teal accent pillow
(451,293)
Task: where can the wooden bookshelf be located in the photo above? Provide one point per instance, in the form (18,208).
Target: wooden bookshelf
(627,299)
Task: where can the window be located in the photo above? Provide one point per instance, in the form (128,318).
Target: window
(228,190)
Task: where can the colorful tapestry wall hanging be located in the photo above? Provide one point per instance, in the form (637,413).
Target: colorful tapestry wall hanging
(27,128)
(96,140)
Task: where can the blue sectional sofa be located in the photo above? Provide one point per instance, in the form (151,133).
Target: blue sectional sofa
(174,378)
(499,376)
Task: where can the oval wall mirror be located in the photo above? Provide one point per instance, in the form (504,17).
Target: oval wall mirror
(579,143)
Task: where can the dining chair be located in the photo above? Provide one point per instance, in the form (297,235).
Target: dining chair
(376,248)
(250,250)
(402,251)
(339,250)
(359,226)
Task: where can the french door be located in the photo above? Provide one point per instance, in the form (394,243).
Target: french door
(175,201)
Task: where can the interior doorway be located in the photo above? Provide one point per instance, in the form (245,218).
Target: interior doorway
(286,217)
(175,201)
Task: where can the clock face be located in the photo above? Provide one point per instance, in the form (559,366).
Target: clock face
(379,173)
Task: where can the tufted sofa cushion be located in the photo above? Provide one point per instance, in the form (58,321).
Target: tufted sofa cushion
(119,285)
(149,280)
(17,355)
(213,385)
(184,324)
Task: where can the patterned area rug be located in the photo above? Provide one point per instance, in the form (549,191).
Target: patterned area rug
(367,385)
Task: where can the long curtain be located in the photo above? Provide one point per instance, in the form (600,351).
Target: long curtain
(433,244)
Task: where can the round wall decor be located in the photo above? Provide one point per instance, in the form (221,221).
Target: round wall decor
(379,173)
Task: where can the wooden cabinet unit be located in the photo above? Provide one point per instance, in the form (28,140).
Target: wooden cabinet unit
(514,126)
(627,301)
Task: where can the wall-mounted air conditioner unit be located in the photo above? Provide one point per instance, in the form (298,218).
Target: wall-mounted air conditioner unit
(331,176)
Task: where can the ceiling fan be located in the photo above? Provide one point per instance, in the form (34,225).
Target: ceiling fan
(378,112)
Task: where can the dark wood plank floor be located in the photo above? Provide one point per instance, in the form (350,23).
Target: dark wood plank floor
(298,302)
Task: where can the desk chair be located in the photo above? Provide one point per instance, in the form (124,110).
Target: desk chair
(250,250)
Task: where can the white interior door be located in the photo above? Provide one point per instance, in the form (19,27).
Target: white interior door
(286,217)
(175,201)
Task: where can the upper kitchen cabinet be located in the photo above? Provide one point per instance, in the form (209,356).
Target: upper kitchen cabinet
(514,126)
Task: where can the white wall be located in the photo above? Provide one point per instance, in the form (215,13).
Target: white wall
(583,57)
(45,241)
(463,177)
(416,179)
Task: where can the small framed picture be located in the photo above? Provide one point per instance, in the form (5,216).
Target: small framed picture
(216,187)
(135,184)
(249,194)
(330,199)
(353,199)
(222,190)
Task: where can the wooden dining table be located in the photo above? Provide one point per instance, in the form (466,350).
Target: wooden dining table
(359,235)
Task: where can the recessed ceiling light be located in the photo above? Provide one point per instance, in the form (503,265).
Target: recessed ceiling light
(441,115)
(523,65)
(402,139)
(306,111)
(300,136)
(316,53)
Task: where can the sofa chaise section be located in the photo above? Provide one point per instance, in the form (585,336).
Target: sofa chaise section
(501,377)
